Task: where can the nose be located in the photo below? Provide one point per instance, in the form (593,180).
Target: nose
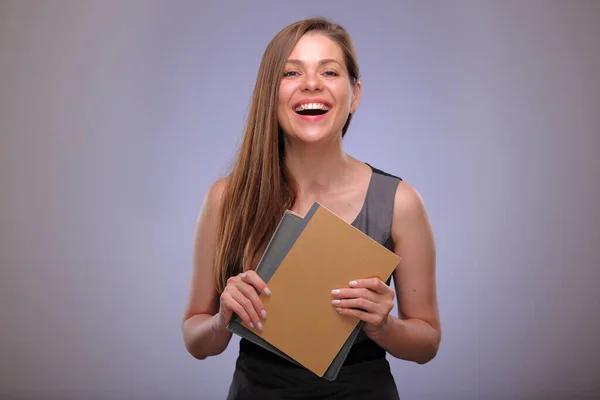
(311,82)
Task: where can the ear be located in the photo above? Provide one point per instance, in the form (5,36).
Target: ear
(356,90)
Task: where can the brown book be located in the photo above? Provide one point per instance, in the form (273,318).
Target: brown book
(327,254)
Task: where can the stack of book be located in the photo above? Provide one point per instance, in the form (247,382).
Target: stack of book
(304,261)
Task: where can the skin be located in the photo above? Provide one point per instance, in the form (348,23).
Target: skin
(325,173)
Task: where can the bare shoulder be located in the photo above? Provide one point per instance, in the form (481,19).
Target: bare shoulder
(409,207)
(214,194)
(206,224)
(211,204)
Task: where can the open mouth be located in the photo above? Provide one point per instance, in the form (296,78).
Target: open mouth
(312,109)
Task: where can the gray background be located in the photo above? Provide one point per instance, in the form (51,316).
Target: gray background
(116,116)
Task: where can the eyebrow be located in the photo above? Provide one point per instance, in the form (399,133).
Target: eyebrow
(321,62)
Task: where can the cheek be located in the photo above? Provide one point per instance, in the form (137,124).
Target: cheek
(282,111)
(283,116)
(283,101)
(343,95)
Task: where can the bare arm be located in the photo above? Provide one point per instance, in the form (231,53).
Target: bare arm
(204,335)
(415,334)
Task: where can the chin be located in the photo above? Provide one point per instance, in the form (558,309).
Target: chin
(312,132)
(312,135)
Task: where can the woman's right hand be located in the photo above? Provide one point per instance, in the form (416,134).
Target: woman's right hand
(240,297)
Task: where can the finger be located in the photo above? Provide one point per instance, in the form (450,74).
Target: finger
(248,291)
(370,283)
(374,284)
(354,293)
(359,303)
(230,303)
(252,278)
(248,307)
(360,314)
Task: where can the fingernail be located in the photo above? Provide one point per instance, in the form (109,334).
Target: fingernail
(338,309)
(260,327)
(267,291)
(264,314)
(251,325)
(353,283)
(243,275)
(335,302)
(335,291)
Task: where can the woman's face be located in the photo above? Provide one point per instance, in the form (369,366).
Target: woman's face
(315,94)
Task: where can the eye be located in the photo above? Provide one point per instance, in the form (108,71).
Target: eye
(290,73)
(331,73)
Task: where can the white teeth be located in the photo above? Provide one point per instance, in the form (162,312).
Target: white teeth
(312,106)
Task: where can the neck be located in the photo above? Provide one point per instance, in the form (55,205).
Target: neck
(316,167)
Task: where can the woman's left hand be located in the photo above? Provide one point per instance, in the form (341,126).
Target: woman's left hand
(369,300)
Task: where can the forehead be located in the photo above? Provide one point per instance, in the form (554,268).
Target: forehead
(313,47)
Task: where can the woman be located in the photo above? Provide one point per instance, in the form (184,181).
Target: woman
(307,90)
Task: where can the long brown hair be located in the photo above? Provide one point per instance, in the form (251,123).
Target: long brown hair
(259,189)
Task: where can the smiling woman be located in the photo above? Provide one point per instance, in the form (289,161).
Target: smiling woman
(317,87)
(307,90)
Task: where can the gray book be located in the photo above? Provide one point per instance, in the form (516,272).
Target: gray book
(288,230)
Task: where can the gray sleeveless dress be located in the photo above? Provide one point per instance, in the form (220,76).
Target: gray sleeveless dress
(260,374)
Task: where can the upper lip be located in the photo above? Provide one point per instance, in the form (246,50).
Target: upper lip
(312,100)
